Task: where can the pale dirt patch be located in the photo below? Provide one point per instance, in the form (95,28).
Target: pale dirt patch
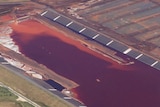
(21,99)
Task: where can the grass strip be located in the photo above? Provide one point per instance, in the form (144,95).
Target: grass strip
(30,91)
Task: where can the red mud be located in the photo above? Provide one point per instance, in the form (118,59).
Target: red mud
(6,18)
(103,83)
(32,29)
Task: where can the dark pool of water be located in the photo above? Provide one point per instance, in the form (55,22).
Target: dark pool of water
(55,85)
(102,83)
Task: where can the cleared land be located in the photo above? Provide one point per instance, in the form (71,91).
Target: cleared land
(29,90)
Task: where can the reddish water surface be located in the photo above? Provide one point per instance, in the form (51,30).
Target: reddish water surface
(5,18)
(103,83)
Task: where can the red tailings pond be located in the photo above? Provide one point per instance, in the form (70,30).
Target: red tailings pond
(103,82)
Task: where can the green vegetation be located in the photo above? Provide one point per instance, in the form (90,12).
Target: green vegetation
(8,99)
(29,90)
(14,104)
(6,95)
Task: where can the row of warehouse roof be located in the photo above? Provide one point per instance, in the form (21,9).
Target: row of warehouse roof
(100,38)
